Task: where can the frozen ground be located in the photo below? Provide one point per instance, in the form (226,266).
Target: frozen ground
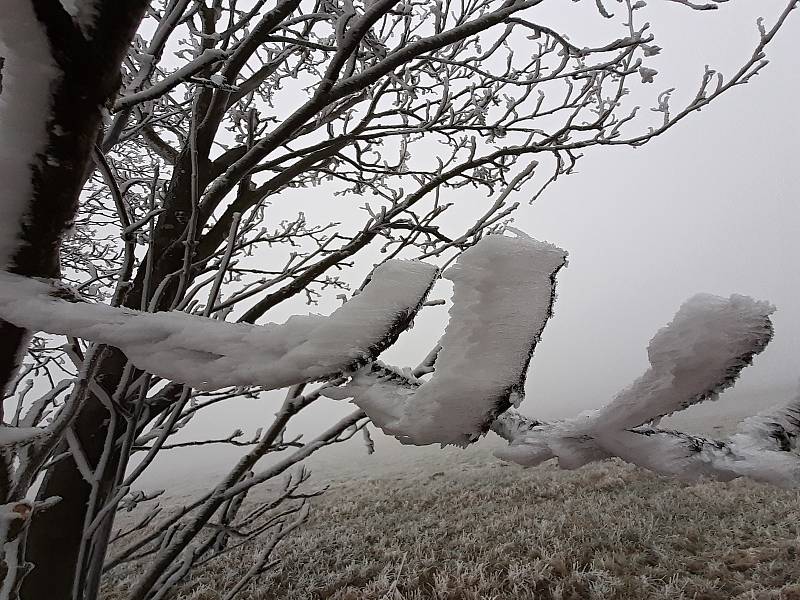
(420,523)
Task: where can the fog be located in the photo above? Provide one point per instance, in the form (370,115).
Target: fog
(711,206)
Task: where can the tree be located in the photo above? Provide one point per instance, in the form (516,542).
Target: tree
(223,108)
(56,72)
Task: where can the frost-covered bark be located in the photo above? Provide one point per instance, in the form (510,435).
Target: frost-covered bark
(29,72)
(58,73)
(503,294)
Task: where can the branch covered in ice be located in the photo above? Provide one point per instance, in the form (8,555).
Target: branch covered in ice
(13,436)
(209,354)
(169,82)
(764,448)
(503,295)
(700,353)
(694,358)
(533,442)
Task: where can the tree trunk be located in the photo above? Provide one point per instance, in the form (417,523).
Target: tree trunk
(55,536)
(89,77)
(88,63)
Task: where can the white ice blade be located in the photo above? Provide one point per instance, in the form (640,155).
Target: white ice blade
(209,354)
(504,290)
(694,358)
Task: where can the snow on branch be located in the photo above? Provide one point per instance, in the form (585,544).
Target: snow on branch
(699,354)
(503,295)
(209,354)
(533,442)
(763,448)
(11,436)
(694,358)
(182,75)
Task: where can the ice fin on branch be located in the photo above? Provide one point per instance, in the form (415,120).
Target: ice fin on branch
(764,448)
(694,358)
(209,354)
(699,354)
(504,288)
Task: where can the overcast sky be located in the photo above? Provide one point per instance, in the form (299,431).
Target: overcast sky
(709,207)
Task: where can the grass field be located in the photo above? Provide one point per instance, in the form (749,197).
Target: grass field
(474,528)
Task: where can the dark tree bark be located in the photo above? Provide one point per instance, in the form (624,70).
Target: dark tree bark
(55,536)
(89,78)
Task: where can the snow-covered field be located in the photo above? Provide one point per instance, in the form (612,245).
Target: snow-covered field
(458,524)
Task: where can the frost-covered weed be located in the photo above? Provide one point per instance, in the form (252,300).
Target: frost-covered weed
(489,531)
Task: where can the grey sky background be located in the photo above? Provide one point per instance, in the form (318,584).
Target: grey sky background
(711,206)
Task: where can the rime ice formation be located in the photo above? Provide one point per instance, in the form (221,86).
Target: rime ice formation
(764,448)
(209,354)
(503,292)
(700,353)
(533,442)
(29,72)
(694,358)
(769,444)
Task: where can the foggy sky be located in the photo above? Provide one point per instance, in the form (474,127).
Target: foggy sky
(711,206)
